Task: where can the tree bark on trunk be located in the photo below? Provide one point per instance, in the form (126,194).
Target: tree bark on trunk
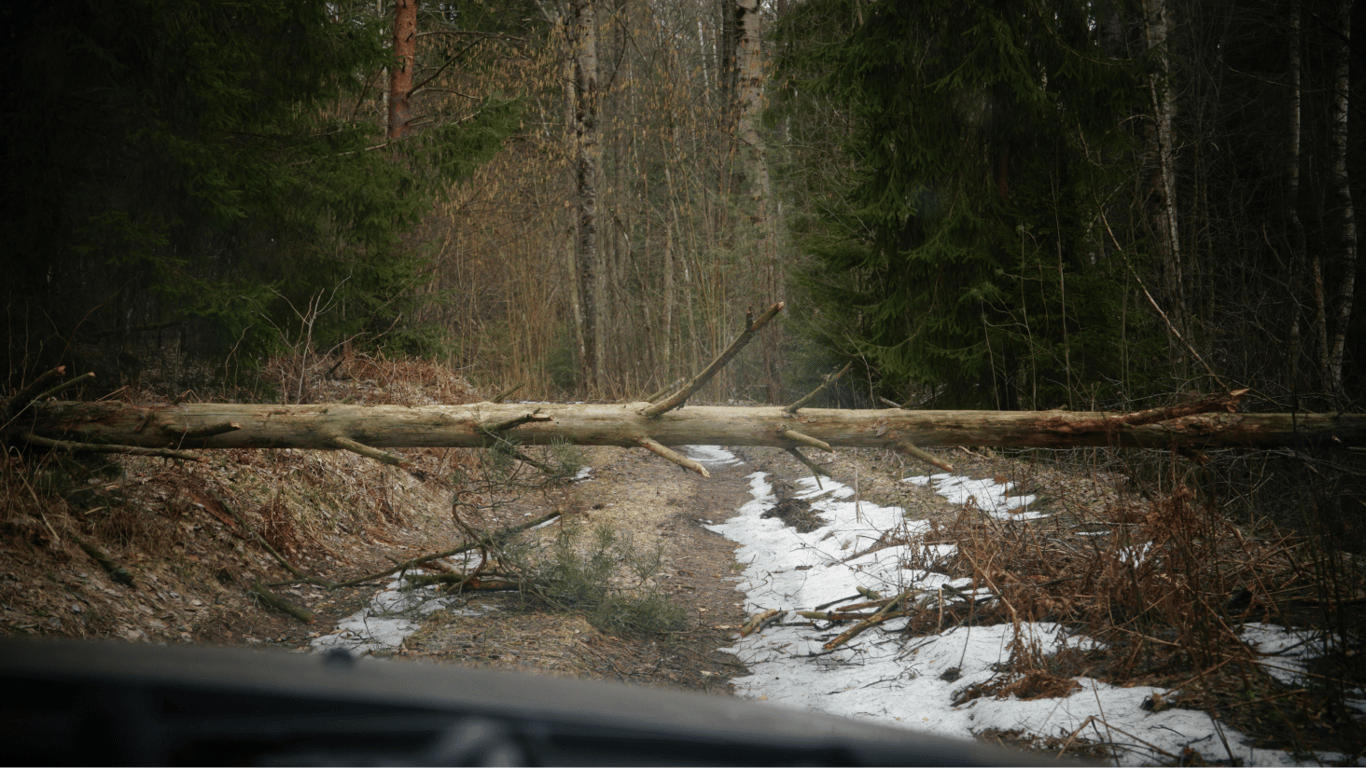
(1344,261)
(401,71)
(1162,183)
(583,27)
(754,162)
(1207,424)
(727,67)
(1298,246)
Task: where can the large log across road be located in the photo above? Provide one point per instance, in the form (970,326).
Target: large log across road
(33,417)
(224,425)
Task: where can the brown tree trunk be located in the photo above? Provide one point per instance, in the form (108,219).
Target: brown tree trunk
(401,72)
(582,27)
(1203,425)
(754,162)
(727,68)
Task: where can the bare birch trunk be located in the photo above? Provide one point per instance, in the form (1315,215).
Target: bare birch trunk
(1162,184)
(401,72)
(1297,234)
(749,114)
(1344,261)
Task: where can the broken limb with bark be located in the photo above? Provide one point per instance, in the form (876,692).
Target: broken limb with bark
(676,400)
(280,604)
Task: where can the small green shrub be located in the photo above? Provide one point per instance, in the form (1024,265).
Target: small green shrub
(601,575)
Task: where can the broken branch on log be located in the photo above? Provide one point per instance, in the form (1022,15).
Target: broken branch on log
(812,394)
(132,450)
(674,456)
(498,398)
(666,389)
(83,378)
(1227,402)
(29,393)
(798,437)
(675,400)
(199,433)
(908,448)
(516,421)
(348,444)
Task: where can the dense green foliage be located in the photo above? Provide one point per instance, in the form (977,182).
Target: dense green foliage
(213,167)
(960,247)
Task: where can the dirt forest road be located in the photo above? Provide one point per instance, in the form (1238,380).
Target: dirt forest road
(655,504)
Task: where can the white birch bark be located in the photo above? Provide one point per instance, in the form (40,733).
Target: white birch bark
(1344,261)
(749,115)
(1157,27)
(1297,235)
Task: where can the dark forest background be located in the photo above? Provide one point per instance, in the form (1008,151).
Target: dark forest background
(987,204)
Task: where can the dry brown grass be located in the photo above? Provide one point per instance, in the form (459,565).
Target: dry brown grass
(188,530)
(1165,581)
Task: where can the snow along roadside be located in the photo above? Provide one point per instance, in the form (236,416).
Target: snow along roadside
(909,681)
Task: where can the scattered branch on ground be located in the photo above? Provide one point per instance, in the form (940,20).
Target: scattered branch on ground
(281,604)
(116,572)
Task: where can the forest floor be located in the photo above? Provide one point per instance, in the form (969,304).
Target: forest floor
(189,538)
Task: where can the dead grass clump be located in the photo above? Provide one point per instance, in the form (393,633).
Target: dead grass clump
(278,527)
(357,378)
(125,527)
(28,504)
(1025,687)
(1163,569)
(796,514)
(1165,585)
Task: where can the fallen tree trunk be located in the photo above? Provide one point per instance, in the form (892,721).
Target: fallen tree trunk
(165,430)
(331,427)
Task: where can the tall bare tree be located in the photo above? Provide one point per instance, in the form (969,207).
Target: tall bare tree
(1162,194)
(582,28)
(401,73)
(1298,244)
(1344,259)
(757,192)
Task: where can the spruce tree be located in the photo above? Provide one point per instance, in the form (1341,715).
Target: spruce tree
(963,247)
(207,168)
